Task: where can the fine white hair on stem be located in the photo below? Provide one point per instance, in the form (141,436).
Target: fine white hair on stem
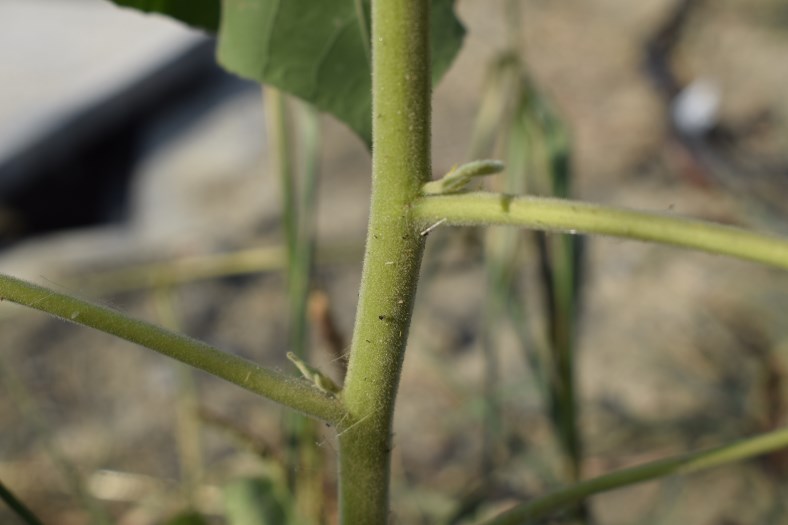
(342,356)
(42,299)
(355,424)
(432,227)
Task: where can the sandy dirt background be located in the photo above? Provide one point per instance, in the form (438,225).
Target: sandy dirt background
(677,350)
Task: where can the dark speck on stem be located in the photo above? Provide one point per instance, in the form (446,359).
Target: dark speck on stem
(506,201)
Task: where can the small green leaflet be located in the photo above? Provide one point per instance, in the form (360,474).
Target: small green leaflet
(459,177)
(313,49)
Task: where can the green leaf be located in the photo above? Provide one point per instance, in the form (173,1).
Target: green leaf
(204,14)
(187,518)
(317,51)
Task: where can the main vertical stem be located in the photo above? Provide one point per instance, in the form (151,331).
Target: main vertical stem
(401,88)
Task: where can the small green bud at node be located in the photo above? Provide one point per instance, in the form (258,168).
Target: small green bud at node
(321,381)
(459,177)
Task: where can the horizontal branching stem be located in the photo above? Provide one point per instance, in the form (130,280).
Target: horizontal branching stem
(684,464)
(183,270)
(290,391)
(193,268)
(479,208)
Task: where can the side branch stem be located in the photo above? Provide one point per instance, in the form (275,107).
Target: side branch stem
(293,392)
(566,216)
(684,464)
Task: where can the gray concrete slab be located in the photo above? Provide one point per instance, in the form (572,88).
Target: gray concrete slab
(58,56)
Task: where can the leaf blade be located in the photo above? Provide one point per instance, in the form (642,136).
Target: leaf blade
(203,14)
(317,52)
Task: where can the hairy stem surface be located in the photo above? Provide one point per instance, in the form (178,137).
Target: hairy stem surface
(541,213)
(293,392)
(400,165)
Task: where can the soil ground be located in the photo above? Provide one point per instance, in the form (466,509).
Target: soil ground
(676,350)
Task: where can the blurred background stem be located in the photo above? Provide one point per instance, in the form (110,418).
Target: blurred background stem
(294,126)
(516,116)
(187,420)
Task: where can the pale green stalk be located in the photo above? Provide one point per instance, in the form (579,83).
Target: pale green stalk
(493,109)
(290,391)
(277,124)
(308,463)
(400,166)
(684,464)
(566,216)
(501,246)
(182,270)
(200,267)
(187,421)
(560,257)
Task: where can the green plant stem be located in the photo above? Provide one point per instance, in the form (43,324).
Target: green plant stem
(684,464)
(276,111)
(306,457)
(400,166)
(202,267)
(561,257)
(183,270)
(299,218)
(17,507)
(187,421)
(293,392)
(280,138)
(480,208)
